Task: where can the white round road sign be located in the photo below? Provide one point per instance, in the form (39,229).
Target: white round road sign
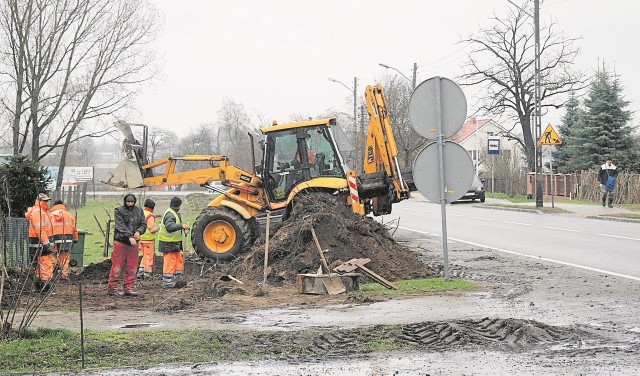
(458,172)
(423,105)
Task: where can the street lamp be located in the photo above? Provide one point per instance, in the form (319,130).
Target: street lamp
(353,90)
(415,71)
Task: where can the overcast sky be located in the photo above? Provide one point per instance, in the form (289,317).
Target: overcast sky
(274,56)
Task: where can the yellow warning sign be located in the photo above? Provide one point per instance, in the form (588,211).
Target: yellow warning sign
(550,137)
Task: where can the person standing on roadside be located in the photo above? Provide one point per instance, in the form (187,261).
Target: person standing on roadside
(41,250)
(148,241)
(65,235)
(129,226)
(170,244)
(607,178)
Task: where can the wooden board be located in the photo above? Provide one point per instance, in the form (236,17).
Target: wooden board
(354,264)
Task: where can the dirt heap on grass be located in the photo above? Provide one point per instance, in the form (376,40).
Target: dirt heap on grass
(341,233)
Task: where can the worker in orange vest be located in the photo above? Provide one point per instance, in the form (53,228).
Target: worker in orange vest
(41,250)
(148,241)
(65,235)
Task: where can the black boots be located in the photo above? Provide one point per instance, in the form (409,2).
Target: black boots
(604,201)
(610,203)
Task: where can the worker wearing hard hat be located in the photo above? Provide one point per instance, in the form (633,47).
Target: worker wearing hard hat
(41,250)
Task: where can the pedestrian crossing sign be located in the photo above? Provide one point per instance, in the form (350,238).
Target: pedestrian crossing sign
(550,137)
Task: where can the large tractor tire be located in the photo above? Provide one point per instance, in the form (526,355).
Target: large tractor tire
(222,234)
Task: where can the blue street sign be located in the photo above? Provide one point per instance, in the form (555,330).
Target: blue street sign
(493,146)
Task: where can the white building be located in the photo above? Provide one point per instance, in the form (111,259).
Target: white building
(474,137)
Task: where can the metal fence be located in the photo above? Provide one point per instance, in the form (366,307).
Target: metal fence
(14,238)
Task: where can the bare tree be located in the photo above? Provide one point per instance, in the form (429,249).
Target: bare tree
(161,142)
(199,141)
(70,62)
(398,92)
(232,127)
(501,61)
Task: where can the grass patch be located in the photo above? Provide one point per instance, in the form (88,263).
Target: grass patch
(633,207)
(412,286)
(59,350)
(544,209)
(514,199)
(100,209)
(623,215)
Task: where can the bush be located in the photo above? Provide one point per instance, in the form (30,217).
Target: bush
(21,179)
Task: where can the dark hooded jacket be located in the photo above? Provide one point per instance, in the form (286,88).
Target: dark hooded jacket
(128,220)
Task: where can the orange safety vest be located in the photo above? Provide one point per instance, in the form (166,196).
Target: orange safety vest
(151,221)
(63,223)
(39,222)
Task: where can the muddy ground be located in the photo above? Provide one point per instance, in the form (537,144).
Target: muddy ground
(292,251)
(525,317)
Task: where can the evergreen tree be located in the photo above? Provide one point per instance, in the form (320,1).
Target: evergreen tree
(603,129)
(21,179)
(569,120)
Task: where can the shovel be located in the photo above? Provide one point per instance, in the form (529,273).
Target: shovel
(332,282)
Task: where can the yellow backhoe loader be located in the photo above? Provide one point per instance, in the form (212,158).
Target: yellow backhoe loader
(296,158)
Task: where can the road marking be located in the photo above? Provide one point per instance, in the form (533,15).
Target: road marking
(619,237)
(560,229)
(530,256)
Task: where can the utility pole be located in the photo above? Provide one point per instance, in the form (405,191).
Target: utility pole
(538,122)
(363,137)
(355,104)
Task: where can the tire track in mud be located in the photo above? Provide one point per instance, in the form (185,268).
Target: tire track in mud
(504,333)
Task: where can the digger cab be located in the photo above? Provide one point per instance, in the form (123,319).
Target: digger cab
(301,152)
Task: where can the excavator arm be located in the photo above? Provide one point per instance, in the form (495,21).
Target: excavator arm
(382,180)
(222,171)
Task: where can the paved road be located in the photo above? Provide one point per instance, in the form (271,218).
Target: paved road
(606,246)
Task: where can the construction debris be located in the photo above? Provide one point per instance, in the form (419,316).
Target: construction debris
(354,264)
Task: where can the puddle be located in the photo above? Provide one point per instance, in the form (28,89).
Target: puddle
(139,325)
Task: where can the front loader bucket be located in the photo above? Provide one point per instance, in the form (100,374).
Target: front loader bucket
(126,175)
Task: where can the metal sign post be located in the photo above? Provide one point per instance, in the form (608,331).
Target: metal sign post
(493,149)
(550,138)
(434,121)
(443,184)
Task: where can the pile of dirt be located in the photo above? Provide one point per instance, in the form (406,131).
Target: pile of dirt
(343,234)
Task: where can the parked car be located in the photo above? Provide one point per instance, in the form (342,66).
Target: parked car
(476,192)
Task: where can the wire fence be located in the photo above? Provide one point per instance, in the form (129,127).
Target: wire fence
(14,237)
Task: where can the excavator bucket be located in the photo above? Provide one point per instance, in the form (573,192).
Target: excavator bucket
(128,173)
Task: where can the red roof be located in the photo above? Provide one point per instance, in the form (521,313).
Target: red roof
(469,127)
